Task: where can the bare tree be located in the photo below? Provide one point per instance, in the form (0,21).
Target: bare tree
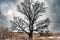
(32,11)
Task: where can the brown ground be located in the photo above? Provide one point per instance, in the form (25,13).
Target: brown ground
(5,35)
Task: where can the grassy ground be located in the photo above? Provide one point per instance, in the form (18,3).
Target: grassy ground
(5,35)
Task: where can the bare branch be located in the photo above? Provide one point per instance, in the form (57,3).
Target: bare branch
(17,22)
(19,9)
(23,29)
(37,8)
(43,24)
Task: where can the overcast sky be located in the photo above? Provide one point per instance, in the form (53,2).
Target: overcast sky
(8,10)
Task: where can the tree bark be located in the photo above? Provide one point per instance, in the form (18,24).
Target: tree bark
(31,28)
(30,36)
(31,31)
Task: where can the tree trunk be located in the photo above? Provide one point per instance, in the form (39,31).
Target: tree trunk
(31,29)
(30,36)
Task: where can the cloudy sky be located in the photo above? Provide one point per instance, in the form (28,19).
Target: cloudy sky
(8,10)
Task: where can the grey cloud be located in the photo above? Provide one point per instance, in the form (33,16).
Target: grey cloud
(55,13)
(2,19)
(4,6)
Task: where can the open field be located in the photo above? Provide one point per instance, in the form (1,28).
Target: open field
(5,35)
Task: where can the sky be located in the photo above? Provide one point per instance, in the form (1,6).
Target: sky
(8,10)
(55,14)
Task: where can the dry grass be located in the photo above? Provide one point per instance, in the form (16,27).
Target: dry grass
(5,35)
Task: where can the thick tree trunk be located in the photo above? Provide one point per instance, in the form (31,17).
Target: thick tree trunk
(30,36)
(31,28)
(31,32)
